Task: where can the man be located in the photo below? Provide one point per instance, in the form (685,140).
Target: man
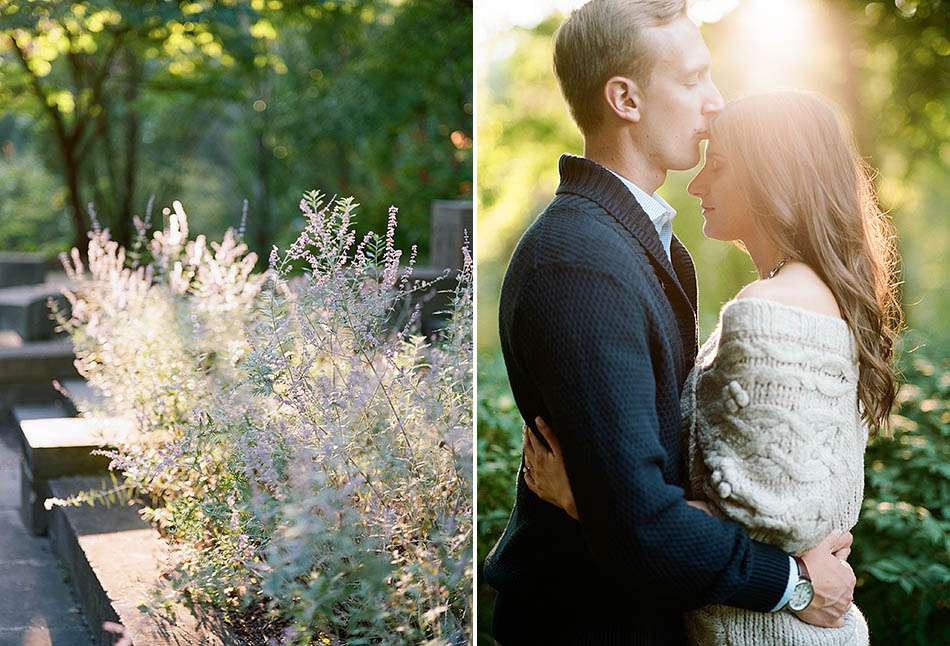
(598,332)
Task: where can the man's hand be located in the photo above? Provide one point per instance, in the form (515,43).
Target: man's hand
(832,579)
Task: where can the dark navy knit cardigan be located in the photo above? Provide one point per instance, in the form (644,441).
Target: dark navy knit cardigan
(598,332)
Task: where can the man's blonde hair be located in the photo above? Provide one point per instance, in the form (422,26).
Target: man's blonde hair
(601,39)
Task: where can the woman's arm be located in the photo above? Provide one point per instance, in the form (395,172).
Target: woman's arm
(777,429)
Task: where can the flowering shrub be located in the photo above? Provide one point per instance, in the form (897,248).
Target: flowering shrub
(308,454)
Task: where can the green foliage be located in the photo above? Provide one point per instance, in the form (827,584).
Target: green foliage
(499,450)
(906,61)
(80,70)
(28,194)
(902,541)
(523,128)
(901,61)
(212,102)
(499,454)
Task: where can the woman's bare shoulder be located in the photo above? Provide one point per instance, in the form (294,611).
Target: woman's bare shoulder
(797,285)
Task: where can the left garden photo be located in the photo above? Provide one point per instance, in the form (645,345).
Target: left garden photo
(236,322)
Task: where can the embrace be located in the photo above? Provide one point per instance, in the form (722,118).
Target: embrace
(671,493)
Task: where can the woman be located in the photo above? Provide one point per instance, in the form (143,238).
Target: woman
(777,408)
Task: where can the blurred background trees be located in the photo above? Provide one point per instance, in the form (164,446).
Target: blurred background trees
(111,102)
(887,64)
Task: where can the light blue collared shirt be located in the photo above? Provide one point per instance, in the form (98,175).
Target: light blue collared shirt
(792,580)
(661,215)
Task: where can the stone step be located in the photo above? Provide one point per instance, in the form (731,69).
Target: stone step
(40,411)
(25,310)
(57,447)
(10,339)
(28,370)
(21,268)
(451,221)
(115,561)
(434,301)
(82,396)
(36,606)
(37,362)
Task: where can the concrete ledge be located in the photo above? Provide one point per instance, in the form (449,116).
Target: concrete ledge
(82,396)
(38,362)
(25,310)
(116,560)
(27,371)
(21,268)
(57,447)
(436,299)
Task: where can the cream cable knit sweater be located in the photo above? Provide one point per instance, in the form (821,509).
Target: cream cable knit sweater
(776,443)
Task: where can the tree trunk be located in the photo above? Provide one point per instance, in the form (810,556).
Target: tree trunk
(262,229)
(76,208)
(123,223)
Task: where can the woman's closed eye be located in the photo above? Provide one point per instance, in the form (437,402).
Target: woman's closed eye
(714,163)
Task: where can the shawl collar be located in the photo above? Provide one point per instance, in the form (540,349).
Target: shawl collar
(581,176)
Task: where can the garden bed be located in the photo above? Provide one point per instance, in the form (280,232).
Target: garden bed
(116,562)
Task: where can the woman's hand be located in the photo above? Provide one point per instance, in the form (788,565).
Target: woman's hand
(544,470)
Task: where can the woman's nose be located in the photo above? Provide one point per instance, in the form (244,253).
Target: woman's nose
(696,188)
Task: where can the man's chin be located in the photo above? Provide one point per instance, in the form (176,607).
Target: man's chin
(686,163)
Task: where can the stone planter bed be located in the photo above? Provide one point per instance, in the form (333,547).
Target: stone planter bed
(114,559)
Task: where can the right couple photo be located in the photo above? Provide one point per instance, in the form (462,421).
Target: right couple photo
(712,339)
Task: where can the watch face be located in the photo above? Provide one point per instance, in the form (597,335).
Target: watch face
(802,595)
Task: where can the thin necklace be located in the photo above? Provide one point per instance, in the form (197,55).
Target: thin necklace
(781,263)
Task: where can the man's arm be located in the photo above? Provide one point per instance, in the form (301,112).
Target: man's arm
(585,340)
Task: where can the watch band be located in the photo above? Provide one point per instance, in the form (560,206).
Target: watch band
(802,568)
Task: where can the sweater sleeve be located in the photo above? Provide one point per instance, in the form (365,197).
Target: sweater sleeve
(777,431)
(587,343)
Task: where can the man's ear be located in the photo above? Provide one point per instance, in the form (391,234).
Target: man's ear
(623,98)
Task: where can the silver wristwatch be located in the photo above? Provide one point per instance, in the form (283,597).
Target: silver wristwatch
(803,592)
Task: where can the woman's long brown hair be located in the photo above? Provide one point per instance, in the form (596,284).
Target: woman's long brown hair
(812,196)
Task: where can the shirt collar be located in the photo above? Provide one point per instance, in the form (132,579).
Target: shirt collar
(654,206)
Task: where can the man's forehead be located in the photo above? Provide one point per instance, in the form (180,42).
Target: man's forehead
(680,46)
(699,59)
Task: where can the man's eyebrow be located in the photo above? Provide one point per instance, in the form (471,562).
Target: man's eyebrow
(697,69)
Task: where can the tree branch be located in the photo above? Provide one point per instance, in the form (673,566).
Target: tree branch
(59,124)
(96,87)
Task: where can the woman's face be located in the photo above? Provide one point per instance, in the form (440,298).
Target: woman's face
(725,208)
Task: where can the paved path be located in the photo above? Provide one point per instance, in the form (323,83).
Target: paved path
(36,603)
